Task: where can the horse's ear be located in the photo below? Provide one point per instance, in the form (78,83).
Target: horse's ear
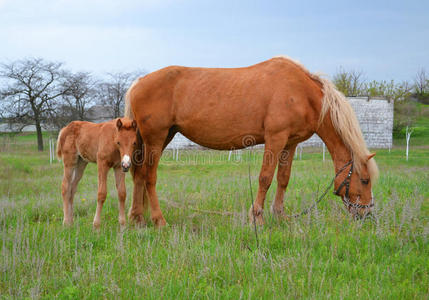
(371,156)
(119,123)
(134,124)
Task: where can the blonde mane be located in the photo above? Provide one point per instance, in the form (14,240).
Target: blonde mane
(127,110)
(344,121)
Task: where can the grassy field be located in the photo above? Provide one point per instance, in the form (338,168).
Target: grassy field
(325,254)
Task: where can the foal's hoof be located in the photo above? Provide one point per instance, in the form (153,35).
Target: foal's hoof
(96,225)
(67,223)
(256,217)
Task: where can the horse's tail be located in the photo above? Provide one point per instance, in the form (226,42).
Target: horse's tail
(60,142)
(128,113)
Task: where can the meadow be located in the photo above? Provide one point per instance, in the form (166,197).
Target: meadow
(205,254)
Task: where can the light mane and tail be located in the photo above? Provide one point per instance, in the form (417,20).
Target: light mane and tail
(344,121)
(128,113)
(60,142)
(127,110)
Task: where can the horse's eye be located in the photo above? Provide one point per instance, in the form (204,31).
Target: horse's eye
(364,181)
(118,143)
(134,144)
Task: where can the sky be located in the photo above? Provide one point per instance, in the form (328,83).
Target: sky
(383,39)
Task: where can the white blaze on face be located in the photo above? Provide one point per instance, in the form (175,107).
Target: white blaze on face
(126,161)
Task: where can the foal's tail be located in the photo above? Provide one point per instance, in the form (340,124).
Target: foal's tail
(127,111)
(60,142)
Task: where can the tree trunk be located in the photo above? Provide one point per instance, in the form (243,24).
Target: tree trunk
(39,136)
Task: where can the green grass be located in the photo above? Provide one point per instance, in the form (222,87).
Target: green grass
(323,255)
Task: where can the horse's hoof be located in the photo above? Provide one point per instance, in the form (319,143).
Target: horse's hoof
(137,219)
(159,222)
(279,213)
(256,217)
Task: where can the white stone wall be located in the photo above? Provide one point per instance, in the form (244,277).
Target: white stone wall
(375,117)
(376,121)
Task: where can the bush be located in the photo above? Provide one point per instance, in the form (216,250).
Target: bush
(406,114)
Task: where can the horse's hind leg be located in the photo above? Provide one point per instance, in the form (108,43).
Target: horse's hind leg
(274,143)
(70,160)
(283,174)
(103,169)
(77,176)
(122,194)
(66,188)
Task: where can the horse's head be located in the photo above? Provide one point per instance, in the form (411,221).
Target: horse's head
(125,140)
(355,188)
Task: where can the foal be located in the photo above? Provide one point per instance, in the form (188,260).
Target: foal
(109,145)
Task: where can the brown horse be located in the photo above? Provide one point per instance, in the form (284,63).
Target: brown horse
(108,144)
(276,102)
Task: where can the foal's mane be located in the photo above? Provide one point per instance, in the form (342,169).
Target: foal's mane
(344,121)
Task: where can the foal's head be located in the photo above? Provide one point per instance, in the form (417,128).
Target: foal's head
(125,140)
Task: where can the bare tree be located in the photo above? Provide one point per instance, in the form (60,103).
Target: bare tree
(80,93)
(421,82)
(388,89)
(32,88)
(350,83)
(112,91)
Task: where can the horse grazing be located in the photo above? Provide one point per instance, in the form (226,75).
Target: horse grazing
(110,145)
(277,102)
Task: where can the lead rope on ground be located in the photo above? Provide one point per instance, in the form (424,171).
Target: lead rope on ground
(310,208)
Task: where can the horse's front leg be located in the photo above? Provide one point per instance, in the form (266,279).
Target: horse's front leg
(139,193)
(122,193)
(283,175)
(274,143)
(151,163)
(103,169)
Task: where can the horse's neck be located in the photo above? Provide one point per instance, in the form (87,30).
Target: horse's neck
(339,152)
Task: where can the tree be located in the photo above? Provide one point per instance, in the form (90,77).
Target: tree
(421,82)
(80,93)
(33,87)
(112,91)
(350,83)
(388,89)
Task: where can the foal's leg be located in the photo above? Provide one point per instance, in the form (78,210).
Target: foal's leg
(103,169)
(78,172)
(283,175)
(274,143)
(122,193)
(66,188)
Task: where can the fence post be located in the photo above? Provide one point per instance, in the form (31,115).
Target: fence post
(323,151)
(50,151)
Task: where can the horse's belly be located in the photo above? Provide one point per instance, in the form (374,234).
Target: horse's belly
(223,138)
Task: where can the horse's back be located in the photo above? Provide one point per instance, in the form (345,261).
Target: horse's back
(219,107)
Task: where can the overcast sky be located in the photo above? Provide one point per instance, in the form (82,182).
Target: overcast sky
(385,39)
